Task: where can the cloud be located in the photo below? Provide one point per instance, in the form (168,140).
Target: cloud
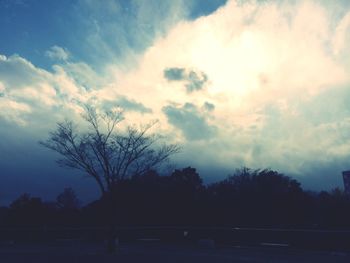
(122,30)
(27,167)
(16,72)
(2,89)
(175,74)
(193,80)
(22,84)
(341,36)
(12,111)
(278,91)
(84,75)
(57,53)
(126,104)
(207,106)
(269,65)
(190,121)
(132,105)
(196,81)
(31,94)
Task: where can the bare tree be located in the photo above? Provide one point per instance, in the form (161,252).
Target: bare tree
(106,154)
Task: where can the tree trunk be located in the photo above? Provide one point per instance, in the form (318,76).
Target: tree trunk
(112,238)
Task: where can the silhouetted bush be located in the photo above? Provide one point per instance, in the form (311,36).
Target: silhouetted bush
(29,211)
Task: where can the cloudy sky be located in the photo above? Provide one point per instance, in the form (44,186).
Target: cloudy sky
(263,84)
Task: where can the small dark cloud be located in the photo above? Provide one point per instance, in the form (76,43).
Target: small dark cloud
(128,105)
(194,80)
(190,121)
(174,74)
(189,106)
(207,106)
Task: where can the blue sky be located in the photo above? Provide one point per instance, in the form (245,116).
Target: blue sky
(30,27)
(263,84)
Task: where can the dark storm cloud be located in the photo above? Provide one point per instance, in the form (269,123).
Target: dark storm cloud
(320,176)
(190,121)
(127,104)
(194,80)
(28,167)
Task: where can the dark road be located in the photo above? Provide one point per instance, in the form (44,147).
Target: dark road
(155,252)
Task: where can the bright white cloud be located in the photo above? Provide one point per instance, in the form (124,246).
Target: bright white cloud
(31,93)
(255,55)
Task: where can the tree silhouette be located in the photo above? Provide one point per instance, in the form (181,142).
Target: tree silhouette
(249,194)
(67,200)
(185,188)
(248,198)
(106,153)
(28,211)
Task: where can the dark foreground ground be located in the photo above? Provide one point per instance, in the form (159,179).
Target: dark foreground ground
(149,251)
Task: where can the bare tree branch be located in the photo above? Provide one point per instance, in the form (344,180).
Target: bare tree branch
(105,153)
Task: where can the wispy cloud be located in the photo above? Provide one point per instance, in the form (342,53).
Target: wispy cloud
(126,104)
(190,121)
(57,53)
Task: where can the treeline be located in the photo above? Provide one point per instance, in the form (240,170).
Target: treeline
(248,198)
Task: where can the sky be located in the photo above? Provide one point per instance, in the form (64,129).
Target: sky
(262,84)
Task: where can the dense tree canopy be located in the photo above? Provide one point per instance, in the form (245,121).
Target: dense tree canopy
(251,198)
